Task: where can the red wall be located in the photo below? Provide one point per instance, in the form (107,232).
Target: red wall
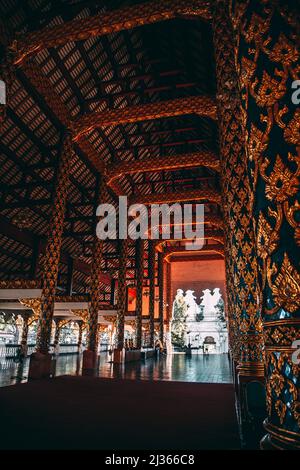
(198,275)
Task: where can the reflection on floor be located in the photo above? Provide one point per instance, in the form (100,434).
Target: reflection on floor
(212,368)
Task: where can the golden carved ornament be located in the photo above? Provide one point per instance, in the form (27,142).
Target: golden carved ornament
(282,183)
(61,322)
(131,323)
(248,68)
(101,328)
(278,382)
(257,143)
(111,319)
(292,129)
(20,284)
(35,306)
(281,333)
(284,52)
(269,90)
(281,409)
(295,408)
(267,238)
(256,29)
(285,287)
(82,313)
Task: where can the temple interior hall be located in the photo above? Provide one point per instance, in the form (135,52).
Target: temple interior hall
(149,225)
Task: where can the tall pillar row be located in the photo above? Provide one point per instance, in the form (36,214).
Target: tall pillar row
(267,56)
(122,294)
(53,246)
(95,280)
(91,352)
(54,240)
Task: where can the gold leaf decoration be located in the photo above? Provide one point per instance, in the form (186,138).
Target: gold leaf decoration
(286,286)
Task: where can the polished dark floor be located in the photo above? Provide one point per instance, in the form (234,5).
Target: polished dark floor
(212,368)
(70,412)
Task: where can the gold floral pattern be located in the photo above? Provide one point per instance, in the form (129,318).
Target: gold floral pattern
(281,408)
(282,183)
(286,286)
(284,51)
(267,58)
(269,91)
(267,239)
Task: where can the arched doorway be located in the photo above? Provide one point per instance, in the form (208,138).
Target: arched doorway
(209,345)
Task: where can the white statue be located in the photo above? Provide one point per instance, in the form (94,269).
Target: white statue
(216,295)
(192,307)
(209,301)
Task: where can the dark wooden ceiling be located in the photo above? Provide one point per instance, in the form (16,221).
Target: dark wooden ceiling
(156,62)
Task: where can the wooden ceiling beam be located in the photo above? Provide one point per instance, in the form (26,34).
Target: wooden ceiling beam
(181,251)
(209,195)
(192,182)
(160,145)
(110,22)
(167,163)
(197,257)
(109,97)
(199,105)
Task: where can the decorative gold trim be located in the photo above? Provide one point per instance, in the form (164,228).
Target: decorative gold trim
(282,435)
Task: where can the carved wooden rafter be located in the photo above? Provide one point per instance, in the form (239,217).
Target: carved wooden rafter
(210,195)
(176,250)
(208,235)
(211,219)
(188,160)
(106,23)
(199,105)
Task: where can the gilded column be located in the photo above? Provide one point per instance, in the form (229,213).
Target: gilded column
(25,328)
(267,58)
(246,338)
(169,292)
(122,297)
(53,247)
(57,331)
(95,281)
(161,295)
(151,275)
(139,263)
